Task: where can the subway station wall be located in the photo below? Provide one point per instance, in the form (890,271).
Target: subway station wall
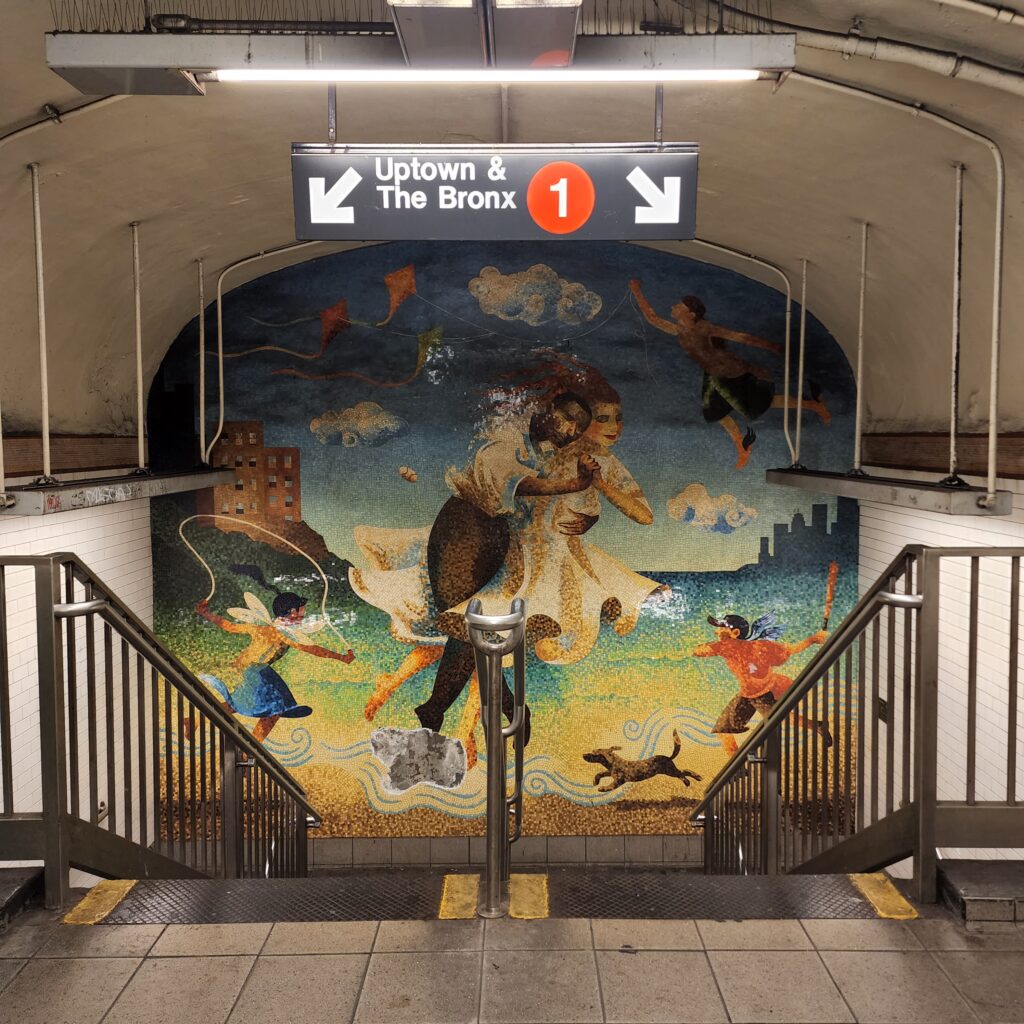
(391,413)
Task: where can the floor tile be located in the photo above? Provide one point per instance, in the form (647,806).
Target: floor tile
(659,988)
(614,934)
(321,937)
(990,982)
(306,989)
(182,990)
(101,940)
(861,935)
(22,940)
(787,986)
(949,934)
(540,987)
(75,991)
(420,988)
(414,936)
(753,935)
(898,988)
(211,940)
(9,970)
(507,933)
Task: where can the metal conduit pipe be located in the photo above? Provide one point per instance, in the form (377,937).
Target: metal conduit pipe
(202,361)
(263,254)
(858,419)
(44,387)
(954,384)
(1001,14)
(939,62)
(788,285)
(997,259)
(140,411)
(800,360)
(58,117)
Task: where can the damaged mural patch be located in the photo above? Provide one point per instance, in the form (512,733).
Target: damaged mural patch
(501,421)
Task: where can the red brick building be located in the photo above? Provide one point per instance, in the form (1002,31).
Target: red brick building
(268,482)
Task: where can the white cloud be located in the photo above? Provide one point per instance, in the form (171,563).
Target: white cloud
(365,423)
(724,514)
(535,296)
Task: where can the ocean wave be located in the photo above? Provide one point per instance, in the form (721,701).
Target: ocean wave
(655,732)
(296,751)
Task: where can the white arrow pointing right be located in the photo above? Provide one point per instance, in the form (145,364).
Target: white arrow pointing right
(325,206)
(663,204)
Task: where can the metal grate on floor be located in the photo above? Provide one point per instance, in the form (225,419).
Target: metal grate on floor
(411,894)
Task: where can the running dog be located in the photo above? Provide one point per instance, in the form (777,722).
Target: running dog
(621,770)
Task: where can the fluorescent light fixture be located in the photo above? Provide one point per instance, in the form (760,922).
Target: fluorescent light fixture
(485,76)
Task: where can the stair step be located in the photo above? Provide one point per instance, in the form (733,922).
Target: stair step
(423,894)
(18,888)
(984,890)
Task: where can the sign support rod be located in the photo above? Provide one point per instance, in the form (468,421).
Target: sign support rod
(44,388)
(859,414)
(659,113)
(954,390)
(202,360)
(332,113)
(140,397)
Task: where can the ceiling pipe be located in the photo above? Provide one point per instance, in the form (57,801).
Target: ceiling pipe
(1001,14)
(800,362)
(858,419)
(60,118)
(140,394)
(989,500)
(939,62)
(263,254)
(44,388)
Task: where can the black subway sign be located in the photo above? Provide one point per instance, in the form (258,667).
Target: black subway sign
(508,193)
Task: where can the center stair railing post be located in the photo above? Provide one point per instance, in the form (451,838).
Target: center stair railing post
(490,649)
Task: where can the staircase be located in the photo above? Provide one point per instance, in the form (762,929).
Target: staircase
(842,776)
(143,773)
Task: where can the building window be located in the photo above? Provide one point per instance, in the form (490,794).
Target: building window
(273,499)
(253,507)
(238,460)
(252,461)
(289,500)
(287,462)
(287,481)
(239,484)
(238,439)
(272,480)
(252,437)
(224,508)
(239,509)
(271,461)
(252,483)
(289,519)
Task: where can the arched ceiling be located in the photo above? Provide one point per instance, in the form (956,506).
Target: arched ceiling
(787,173)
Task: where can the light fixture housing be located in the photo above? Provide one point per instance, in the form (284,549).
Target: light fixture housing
(484,76)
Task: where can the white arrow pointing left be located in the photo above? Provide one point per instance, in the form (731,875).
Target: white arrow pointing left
(663,203)
(325,205)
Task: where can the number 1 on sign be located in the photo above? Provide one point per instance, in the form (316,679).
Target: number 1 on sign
(562,188)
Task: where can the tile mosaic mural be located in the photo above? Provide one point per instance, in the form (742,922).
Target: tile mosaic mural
(585,426)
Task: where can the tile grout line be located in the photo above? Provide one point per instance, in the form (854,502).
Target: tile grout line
(597,969)
(956,988)
(483,961)
(248,974)
(821,960)
(366,971)
(714,976)
(123,989)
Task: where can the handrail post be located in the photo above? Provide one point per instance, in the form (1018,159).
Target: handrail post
(926,728)
(231,809)
(489,655)
(770,771)
(52,744)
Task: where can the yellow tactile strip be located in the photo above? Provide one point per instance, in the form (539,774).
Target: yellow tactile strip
(879,891)
(99,901)
(528,897)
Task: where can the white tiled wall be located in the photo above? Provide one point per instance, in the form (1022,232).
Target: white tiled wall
(884,530)
(114,541)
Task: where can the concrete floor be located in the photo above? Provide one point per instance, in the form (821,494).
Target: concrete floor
(931,971)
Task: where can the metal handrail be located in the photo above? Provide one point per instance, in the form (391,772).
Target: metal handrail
(116,613)
(835,645)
